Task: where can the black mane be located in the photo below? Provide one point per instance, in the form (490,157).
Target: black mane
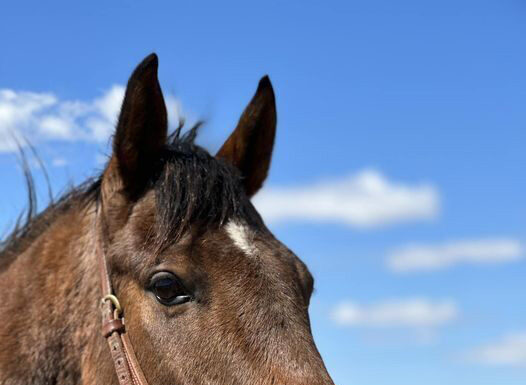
(27,229)
(192,187)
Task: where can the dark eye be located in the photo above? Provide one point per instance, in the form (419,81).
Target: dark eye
(168,289)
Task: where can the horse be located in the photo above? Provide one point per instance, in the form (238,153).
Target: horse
(167,249)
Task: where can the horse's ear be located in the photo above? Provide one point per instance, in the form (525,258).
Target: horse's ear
(249,147)
(141,130)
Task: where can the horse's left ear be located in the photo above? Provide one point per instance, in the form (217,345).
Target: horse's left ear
(249,147)
(141,131)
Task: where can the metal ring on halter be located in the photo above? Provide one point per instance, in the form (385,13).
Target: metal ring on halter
(114,301)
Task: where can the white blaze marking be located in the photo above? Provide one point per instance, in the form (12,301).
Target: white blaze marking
(241,236)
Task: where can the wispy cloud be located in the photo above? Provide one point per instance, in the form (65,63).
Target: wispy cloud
(435,257)
(43,116)
(415,318)
(412,312)
(367,199)
(510,350)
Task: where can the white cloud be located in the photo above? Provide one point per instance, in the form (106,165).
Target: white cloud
(397,313)
(43,116)
(17,112)
(366,199)
(508,351)
(436,257)
(108,107)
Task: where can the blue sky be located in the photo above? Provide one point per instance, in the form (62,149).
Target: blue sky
(401,125)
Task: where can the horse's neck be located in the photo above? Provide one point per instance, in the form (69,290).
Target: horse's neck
(49,307)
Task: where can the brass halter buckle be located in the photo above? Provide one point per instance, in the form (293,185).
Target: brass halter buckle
(115,324)
(116,304)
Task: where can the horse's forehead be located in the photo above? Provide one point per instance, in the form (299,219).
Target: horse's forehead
(256,242)
(263,260)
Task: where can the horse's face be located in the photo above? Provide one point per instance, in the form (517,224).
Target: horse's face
(210,296)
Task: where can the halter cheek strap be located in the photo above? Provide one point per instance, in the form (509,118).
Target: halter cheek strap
(125,362)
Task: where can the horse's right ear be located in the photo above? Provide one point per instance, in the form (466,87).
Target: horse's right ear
(141,132)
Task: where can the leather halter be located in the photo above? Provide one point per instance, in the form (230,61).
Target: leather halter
(125,362)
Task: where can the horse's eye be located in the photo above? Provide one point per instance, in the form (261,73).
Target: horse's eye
(168,289)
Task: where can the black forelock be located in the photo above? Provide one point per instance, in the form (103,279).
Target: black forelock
(195,188)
